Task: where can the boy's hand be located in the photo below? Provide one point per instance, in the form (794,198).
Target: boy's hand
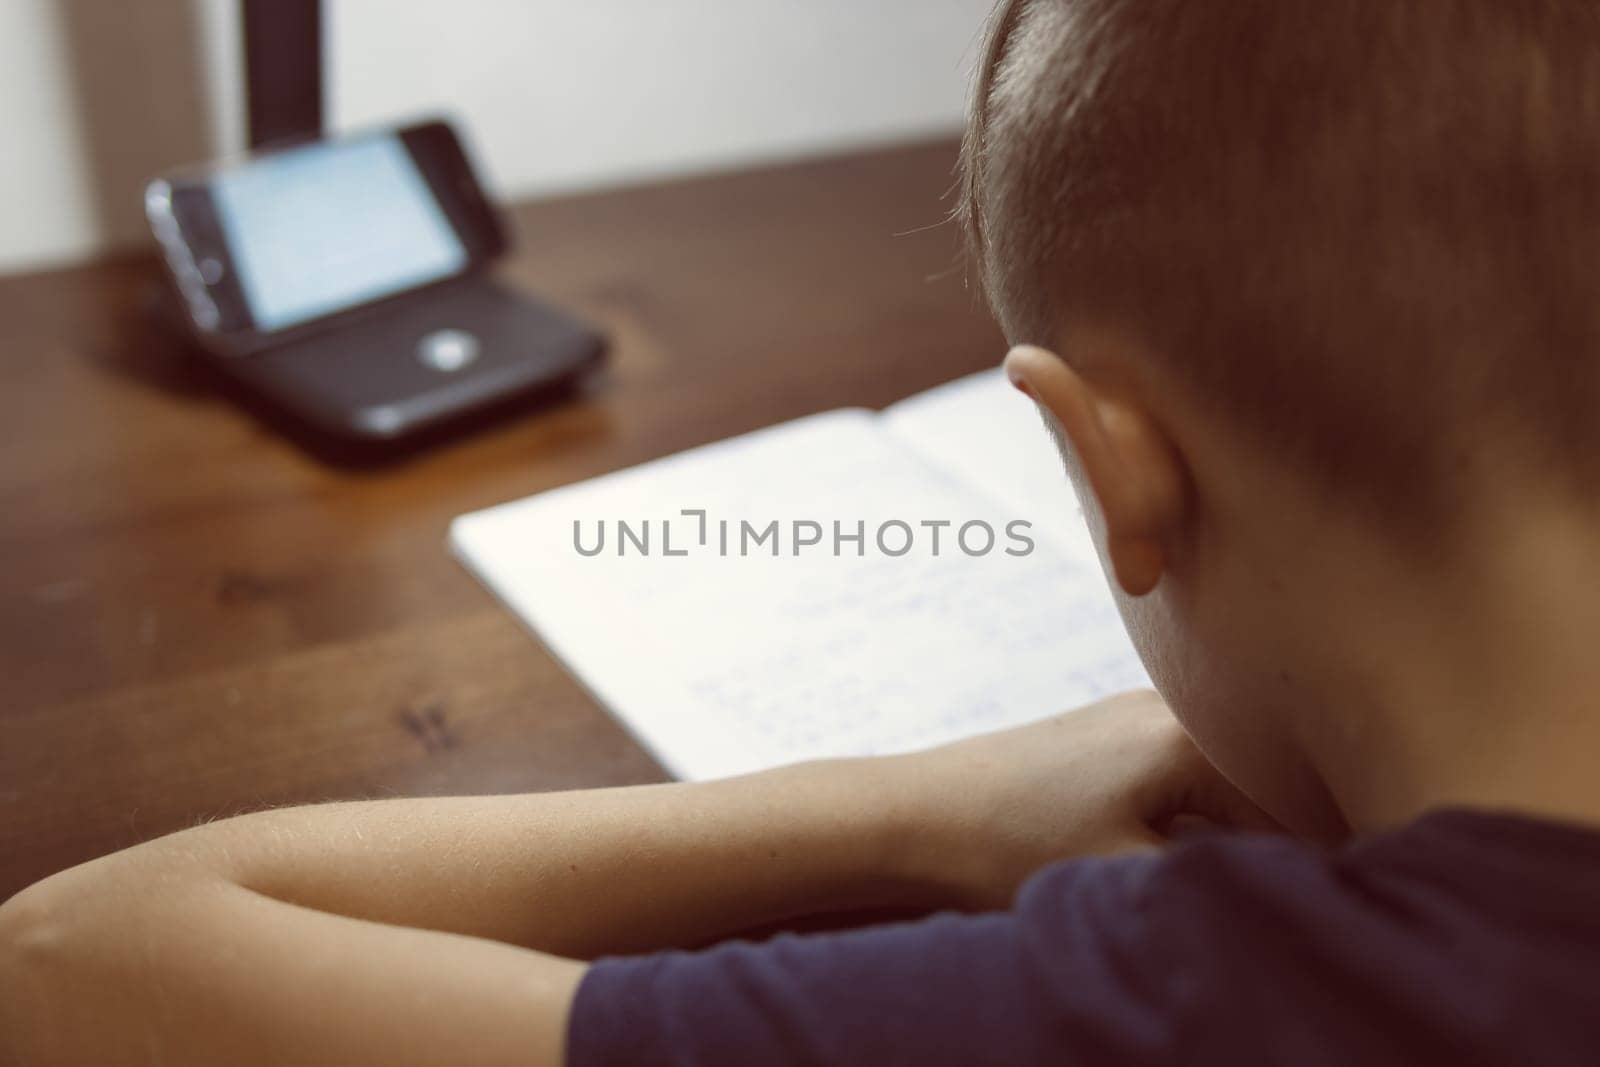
(1112,777)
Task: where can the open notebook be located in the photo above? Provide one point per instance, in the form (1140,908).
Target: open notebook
(723,658)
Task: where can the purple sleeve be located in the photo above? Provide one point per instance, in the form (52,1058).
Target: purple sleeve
(1050,981)
(1464,938)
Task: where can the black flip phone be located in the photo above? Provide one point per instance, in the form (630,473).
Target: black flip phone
(345,280)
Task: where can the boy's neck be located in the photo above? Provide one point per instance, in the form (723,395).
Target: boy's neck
(1477,683)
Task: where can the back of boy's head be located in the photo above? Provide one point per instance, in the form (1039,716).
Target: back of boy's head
(1365,233)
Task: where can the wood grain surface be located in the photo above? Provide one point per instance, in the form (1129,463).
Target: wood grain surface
(198,616)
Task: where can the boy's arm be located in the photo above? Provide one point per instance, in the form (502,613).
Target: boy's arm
(423,931)
(383,932)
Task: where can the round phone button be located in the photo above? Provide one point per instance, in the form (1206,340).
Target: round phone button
(447,351)
(211,270)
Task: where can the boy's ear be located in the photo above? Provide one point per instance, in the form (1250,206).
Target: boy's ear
(1129,463)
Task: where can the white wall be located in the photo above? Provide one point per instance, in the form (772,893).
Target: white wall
(562,94)
(555,94)
(96,96)
(46,210)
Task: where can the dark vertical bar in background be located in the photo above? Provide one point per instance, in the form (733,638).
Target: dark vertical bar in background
(283,69)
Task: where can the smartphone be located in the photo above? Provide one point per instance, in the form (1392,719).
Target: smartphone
(346,277)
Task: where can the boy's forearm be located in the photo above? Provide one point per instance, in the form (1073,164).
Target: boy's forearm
(208,939)
(302,935)
(578,874)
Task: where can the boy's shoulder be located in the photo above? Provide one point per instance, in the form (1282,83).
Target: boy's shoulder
(1471,881)
(1493,868)
(1464,936)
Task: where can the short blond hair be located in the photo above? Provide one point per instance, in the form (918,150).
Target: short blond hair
(1365,230)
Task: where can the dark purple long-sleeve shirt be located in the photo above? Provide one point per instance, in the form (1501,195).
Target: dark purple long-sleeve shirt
(1463,938)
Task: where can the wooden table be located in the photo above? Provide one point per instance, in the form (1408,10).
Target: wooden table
(199,618)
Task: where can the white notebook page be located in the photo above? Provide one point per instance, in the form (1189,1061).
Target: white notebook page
(723,664)
(991,437)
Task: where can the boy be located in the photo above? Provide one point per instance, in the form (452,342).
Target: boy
(1306,290)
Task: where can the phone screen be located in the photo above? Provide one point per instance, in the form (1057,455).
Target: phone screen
(315,230)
